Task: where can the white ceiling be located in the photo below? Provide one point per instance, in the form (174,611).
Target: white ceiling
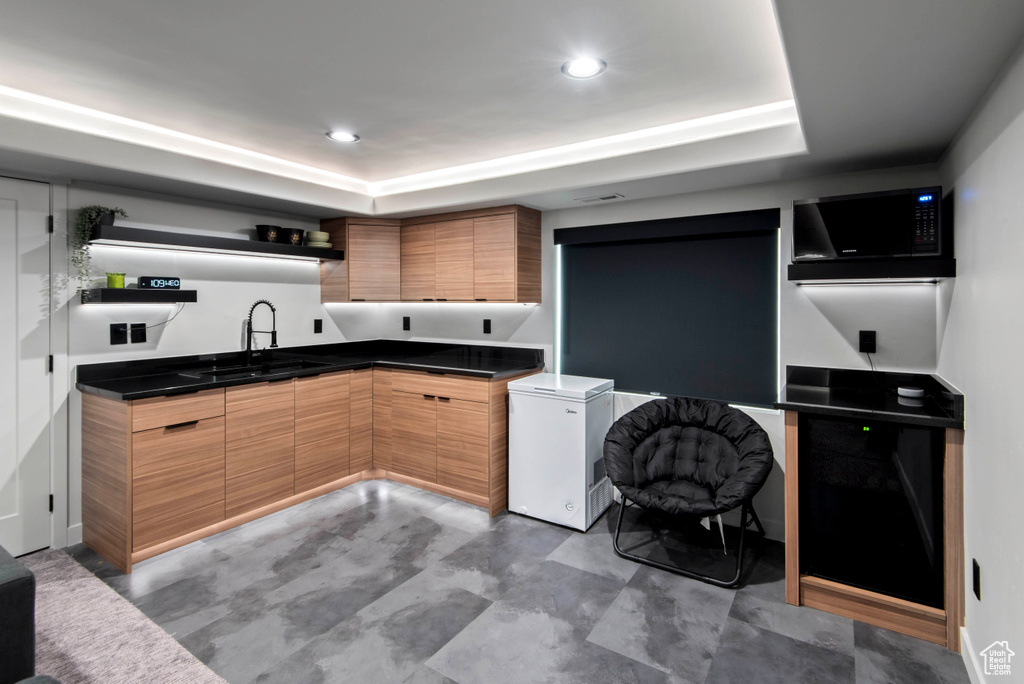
(462,103)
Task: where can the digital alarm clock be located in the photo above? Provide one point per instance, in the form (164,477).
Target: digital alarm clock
(159,283)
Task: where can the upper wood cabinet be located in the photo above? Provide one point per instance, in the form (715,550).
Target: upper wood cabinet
(488,255)
(371,271)
(453,260)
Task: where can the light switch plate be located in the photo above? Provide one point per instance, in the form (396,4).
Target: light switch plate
(138,332)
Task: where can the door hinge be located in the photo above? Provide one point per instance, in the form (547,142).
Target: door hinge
(51,503)
(51,363)
(49,223)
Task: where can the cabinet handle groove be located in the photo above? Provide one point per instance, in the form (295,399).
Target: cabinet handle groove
(429,396)
(180,425)
(444,398)
(357,300)
(481,300)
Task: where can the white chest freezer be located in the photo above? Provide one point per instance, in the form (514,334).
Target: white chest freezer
(557,425)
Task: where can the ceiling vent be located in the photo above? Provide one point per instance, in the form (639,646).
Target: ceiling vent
(599,198)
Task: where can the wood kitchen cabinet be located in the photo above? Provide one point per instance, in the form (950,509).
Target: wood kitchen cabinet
(321,429)
(414,435)
(260,445)
(489,255)
(371,270)
(152,470)
(162,472)
(360,435)
(437,261)
(446,433)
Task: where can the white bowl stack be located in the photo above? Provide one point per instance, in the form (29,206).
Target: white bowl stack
(318,238)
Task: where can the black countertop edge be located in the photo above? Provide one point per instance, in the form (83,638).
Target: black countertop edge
(167,376)
(862,394)
(883,416)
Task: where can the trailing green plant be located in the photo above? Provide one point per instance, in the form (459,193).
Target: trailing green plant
(86,221)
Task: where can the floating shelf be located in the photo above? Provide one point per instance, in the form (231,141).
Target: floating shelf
(893,270)
(158,239)
(125,295)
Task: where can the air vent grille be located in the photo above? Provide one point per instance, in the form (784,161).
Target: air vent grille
(600,198)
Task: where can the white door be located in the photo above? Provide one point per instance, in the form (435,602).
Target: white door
(24,366)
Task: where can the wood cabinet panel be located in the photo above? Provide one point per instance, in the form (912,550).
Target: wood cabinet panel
(360,438)
(494,258)
(418,269)
(528,255)
(334,273)
(382,419)
(174,447)
(414,435)
(462,445)
(260,445)
(177,481)
(441,385)
(453,245)
(374,263)
(160,411)
(321,429)
(255,488)
(106,478)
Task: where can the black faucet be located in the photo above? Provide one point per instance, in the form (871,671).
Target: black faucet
(249,332)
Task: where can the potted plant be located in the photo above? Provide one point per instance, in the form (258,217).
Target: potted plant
(87,220)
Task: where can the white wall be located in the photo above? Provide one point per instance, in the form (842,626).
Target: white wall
(981,355)
(818,324)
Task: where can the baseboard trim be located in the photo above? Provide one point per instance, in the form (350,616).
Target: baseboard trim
(970,656)
(75,534)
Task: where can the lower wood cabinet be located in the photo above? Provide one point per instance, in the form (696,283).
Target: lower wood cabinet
(414,435)
(321,429)
(462,445)
(446,433)
(162,472)
(260,433)
(177,480)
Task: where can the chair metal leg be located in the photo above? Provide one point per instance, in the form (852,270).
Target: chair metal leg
(746,508)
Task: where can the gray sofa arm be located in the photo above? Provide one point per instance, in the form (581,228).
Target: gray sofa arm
(17,620)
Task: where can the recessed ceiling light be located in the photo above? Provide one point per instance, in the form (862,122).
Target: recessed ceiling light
(342,137)
(584,67)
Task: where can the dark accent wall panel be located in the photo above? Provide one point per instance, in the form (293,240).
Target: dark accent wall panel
(694,316)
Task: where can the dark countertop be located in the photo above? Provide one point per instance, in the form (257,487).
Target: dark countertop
(859,393)
(142,378)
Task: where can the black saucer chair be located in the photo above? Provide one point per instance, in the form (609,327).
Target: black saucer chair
(690,457)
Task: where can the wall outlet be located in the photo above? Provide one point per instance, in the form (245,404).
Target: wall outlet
(138,331)
(976,580)
(405,323)
(487,326)
(318,325)
(867,341)
(118,333)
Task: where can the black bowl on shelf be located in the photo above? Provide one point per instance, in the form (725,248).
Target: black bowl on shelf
(265,233)
(290,236)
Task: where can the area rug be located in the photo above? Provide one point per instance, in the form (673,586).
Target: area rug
(86,633)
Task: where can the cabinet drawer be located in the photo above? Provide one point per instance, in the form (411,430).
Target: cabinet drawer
(162,411)
(451,386)
(172,447)
(177,481)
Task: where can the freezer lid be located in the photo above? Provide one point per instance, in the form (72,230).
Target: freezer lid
(550,384)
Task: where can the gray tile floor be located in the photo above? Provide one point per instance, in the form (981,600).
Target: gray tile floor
(380,582)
